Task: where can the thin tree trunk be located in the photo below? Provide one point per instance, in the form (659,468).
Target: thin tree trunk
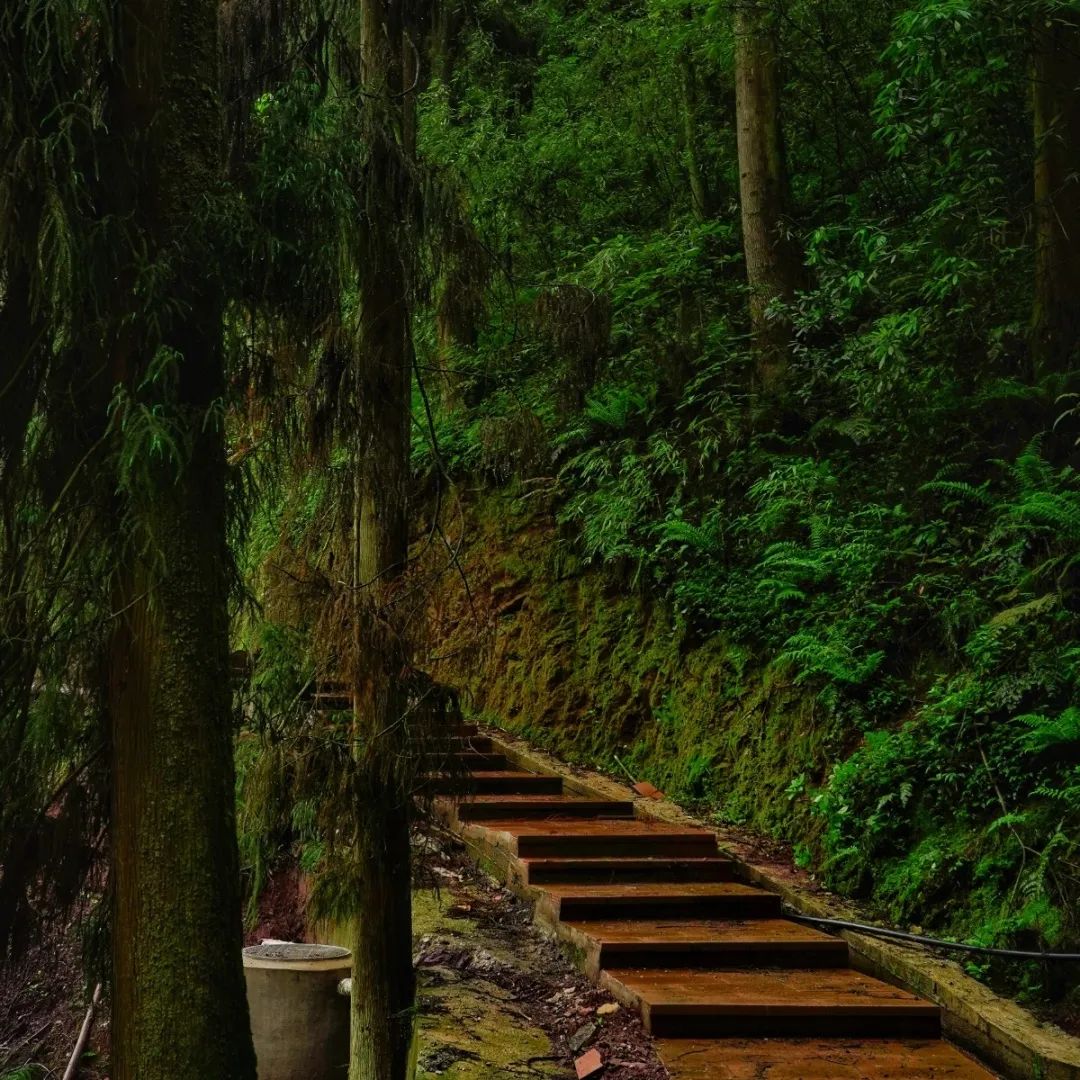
(773,265)
(448,16)
(699,188)
(410,72)
(179,1008)
(1056,315)
(458,311)
(383,981)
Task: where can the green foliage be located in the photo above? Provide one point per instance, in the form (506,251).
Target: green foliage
(898,539)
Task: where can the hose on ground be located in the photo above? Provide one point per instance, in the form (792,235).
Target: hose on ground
(934,943)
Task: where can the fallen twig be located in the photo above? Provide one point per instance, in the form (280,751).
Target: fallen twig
(84,1035)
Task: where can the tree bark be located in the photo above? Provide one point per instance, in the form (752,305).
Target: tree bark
(1056,93)
(179,1008)
(773,263)
(382,1001)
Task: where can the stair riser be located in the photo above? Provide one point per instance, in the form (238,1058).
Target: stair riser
(614,846)
(696,907)
(701,956)
(467,785)
(469,762)
(543,875)
(483,812)
(481,744)
(812,1026)
(525,784)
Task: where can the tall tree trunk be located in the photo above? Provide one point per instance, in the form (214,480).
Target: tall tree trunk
(773,264)
(382,1004)
(1056,316)
(178,998)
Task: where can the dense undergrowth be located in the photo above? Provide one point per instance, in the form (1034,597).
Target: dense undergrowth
(845,612)
(894,543)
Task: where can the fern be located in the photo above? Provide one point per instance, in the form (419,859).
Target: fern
(962,490)
(705,538)
(615,407)
(1045,732)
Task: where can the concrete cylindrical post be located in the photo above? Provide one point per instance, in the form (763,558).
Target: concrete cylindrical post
(299,1021)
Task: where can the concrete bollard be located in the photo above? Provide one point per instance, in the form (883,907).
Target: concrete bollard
(299,1020)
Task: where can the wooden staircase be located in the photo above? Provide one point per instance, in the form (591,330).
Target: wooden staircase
(730,988)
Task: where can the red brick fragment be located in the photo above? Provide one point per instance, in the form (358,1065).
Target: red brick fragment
(589,1064)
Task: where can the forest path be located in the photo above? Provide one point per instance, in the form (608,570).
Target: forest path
(654,914)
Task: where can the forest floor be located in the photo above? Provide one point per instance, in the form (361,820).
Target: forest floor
(43,1001)
(497,997)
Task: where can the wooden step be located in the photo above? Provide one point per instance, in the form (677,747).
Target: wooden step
(609,871)
(822,1003)
(446,744)
(502,782)
(511,782)
(531,839)
(468,760)
(660,900)
(541,806)
(705,943)
(817,1059)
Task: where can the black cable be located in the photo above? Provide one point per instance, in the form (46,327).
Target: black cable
(936,943)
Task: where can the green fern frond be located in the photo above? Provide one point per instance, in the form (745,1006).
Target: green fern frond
(1020,612)
(960,490)
(1047,732)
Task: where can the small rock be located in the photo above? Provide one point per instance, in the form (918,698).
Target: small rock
(609,1008)
(426,845)
(589,1064)
(582,1036)
(482,962)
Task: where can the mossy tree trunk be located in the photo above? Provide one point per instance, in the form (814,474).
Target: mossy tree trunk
(178,1001)
(1056,95)
(384,986)
(773,263)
